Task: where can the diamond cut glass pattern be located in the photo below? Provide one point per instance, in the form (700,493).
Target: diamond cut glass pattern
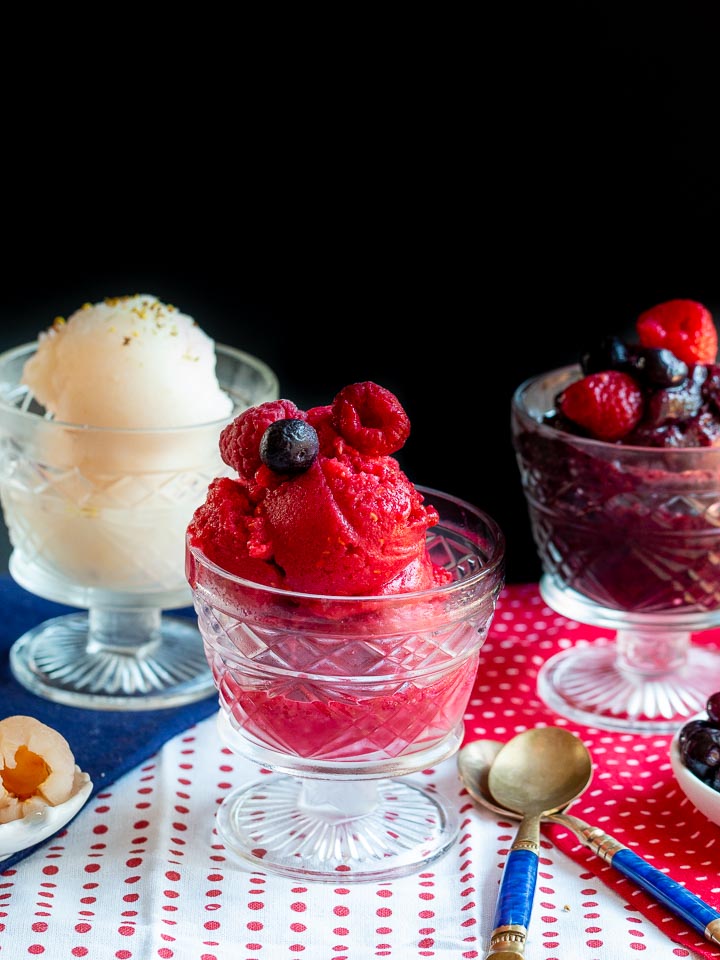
(96,519)
(628,538)
(349,691)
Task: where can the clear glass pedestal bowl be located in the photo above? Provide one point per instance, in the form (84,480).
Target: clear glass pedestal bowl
(97,519)
(629,540)
(341,698)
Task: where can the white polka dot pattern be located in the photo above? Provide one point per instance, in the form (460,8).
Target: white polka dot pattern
(141,873)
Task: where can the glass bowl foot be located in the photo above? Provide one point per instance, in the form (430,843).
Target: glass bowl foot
(590,686)
(650,680)
(114,660)
(336,830)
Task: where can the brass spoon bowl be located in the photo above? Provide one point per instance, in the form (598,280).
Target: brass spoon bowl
(539,771)
(474,763)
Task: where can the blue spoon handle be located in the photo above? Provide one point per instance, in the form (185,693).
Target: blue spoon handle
(517,890)
(695,912)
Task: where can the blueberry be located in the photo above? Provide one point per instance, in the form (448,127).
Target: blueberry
(713,708)
(658,367)
(701,753)
(289,446)
(699,744)
(611,353)
(689,728)
(680,403)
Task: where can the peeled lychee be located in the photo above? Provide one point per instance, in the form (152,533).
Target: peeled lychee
(37,767)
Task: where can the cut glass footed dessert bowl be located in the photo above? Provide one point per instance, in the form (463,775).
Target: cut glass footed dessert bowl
(629,540)
(97,518)
(339,698)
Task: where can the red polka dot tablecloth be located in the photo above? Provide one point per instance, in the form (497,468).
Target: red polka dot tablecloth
(633,794)
(141,874)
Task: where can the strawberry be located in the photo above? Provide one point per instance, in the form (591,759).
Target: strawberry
(685,327)
(608,405)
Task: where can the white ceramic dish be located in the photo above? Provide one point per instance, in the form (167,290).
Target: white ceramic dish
(18,835)
(704,798)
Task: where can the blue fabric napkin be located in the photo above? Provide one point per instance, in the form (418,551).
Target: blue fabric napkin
(106,743)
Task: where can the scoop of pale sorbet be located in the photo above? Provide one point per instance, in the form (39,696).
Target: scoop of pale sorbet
(127,362)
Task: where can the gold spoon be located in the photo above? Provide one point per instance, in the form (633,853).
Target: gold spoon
(534,774)
(474,763)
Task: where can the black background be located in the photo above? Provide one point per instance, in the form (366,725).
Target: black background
(446,217)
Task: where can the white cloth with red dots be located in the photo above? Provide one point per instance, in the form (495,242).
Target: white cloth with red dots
(141,874)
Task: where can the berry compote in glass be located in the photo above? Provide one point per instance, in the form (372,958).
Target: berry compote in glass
(620,463)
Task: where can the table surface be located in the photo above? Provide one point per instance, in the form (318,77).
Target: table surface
(141,873)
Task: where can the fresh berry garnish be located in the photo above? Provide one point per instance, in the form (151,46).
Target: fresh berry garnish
(699,744)
(683,326)
(689,728)
(610,354)
(240,440)
(370,418)
(657,367)
(608,405)
(676,403)
(700,752)
(713,708)
(289,446)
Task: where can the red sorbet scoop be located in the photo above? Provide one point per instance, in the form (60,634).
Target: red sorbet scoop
(320,505)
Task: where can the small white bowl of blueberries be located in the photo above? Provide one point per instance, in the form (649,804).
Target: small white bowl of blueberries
(695,759)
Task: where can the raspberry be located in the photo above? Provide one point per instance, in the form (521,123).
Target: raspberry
(685,327)
(240,440)
(370,418)
(608,404)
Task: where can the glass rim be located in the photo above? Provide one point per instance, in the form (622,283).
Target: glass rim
(591,443)
(220,348)
(486,572)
